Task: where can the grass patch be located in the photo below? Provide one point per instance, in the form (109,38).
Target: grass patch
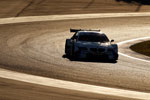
(142,48)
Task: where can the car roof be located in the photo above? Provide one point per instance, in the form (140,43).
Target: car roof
(89,32)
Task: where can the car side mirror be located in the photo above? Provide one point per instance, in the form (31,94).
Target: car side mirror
(112,41)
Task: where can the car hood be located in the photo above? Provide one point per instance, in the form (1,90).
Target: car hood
(91,44)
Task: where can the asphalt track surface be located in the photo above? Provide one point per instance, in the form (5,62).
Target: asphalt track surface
(37,48)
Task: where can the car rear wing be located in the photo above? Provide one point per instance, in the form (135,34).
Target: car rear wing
(76,30)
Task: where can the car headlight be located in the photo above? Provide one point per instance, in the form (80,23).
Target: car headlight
(105,44)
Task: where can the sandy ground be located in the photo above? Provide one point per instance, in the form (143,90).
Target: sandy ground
(16,90)
(11,8)
(15,8)
(37,48)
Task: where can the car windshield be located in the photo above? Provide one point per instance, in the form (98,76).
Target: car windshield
(93,37)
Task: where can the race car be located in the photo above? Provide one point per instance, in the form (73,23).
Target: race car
(91,44)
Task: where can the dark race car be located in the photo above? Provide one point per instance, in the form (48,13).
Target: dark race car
(90,44)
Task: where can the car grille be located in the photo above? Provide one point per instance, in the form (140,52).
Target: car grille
(93,49)
(97,50)
(82,48)
(101,50)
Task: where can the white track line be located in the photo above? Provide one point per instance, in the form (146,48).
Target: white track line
(76,88)
(81,89)
(132,40)
(69,17)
